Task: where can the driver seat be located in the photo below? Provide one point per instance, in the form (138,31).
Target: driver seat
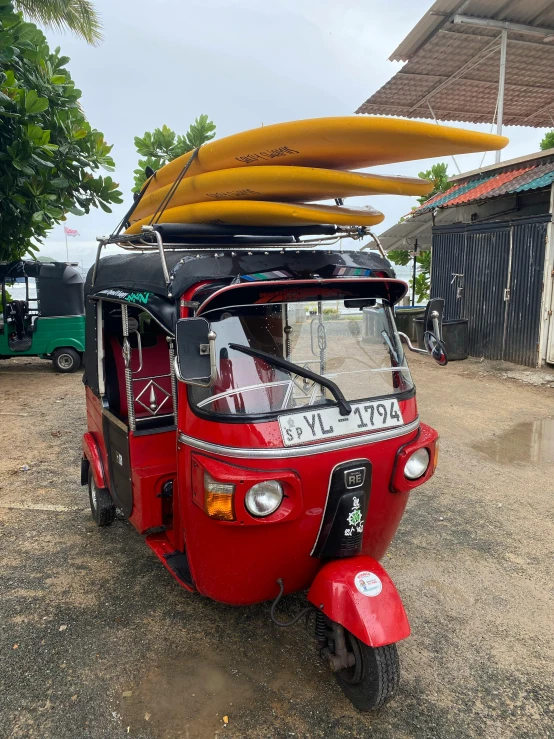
(17,310)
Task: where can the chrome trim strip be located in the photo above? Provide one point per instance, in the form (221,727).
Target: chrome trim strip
(300,451)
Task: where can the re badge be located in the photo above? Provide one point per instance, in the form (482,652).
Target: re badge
(354,478)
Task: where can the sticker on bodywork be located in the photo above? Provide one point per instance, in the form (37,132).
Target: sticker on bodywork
(367,583)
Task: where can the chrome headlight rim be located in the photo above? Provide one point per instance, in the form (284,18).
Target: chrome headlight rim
(273,488)
(417,464)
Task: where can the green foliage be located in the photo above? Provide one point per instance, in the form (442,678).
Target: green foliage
(423,261)
(8,300)
(422,286)
(548,141)
(399,256)
(48,150)
(438,175)
(78,16)
(163,145)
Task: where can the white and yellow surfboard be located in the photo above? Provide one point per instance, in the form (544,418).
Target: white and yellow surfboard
(281,184)
(348,142)
(262,213)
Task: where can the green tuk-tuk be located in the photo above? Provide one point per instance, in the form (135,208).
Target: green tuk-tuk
(50,325)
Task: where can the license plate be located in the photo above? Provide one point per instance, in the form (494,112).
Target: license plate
(327,423)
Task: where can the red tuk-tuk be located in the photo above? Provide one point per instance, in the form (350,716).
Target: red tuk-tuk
(251,412)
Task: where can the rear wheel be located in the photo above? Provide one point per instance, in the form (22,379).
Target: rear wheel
(101,503)
(66,359)
(374,678)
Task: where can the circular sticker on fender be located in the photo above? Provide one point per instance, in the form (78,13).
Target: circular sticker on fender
(367,583)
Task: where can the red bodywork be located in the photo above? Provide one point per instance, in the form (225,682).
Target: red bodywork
(239,562)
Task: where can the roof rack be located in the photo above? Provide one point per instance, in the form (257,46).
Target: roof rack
(189,237)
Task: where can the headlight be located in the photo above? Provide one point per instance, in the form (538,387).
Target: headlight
(417,464)
(264,498)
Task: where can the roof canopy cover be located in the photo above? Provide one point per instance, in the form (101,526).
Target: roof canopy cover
(59,285)
(452,69)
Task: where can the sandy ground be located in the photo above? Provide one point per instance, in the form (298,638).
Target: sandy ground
(97,640)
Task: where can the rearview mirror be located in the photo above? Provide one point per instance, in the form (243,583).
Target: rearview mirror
(360,303)
(195,352)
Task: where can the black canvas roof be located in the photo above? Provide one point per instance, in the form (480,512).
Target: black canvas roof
(59,285)
(143,272)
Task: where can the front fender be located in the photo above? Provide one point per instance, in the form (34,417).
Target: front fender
(357,593)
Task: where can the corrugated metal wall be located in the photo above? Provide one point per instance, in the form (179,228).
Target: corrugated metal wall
(526,291)
(448,260)
(493,257)
(485,277)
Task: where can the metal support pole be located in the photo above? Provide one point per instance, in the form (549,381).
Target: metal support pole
(414,273)
(501,85)
(128,373)
(171,347)
(288,331)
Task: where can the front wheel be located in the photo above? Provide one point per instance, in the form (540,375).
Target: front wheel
(374,677)
(66,359)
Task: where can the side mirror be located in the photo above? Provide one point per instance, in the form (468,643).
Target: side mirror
(432,320)
(432,331)
(195,352)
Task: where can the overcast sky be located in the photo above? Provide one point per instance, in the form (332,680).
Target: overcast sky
(244,63)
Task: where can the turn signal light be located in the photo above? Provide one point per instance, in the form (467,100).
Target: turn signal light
(219,499)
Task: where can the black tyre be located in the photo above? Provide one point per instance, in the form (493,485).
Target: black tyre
(101,503)
(66,359)
(374,678)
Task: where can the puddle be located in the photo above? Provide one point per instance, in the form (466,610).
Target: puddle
(527,442)
(185,700)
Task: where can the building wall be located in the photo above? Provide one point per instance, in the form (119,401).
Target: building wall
(492,275)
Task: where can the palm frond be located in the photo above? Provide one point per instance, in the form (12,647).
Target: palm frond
(78,16)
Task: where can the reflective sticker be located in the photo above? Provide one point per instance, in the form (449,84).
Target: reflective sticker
(367,583)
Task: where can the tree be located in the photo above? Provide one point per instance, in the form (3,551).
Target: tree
(548,141)
(78,16)
(163,145)
(438,175)
(49,153)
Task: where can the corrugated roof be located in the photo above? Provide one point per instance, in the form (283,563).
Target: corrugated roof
(454,68)
(529,12)
(487,186)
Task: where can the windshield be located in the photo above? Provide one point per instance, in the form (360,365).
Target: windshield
(355,347)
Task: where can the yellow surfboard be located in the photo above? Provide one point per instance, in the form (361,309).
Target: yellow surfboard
(283,184)
(349,142)
(262,213)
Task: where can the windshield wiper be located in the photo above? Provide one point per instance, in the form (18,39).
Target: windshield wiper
(345,408)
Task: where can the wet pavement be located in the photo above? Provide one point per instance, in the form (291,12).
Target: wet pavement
(97,640)
(528,442)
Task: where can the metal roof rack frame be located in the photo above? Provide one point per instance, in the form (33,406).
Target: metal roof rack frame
(150,239)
